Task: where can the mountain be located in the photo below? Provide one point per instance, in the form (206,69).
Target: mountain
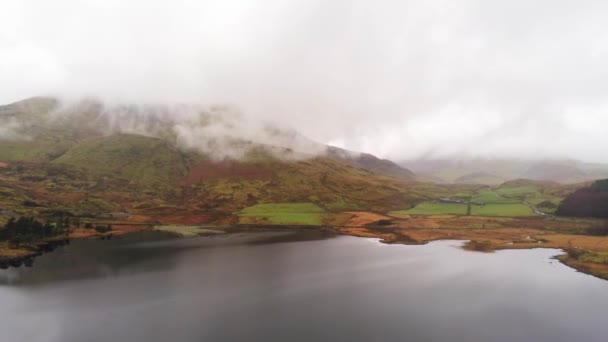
(89,157)
(590,201)
(42,130)
(371,162)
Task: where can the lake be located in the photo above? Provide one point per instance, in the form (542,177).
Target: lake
(301,286)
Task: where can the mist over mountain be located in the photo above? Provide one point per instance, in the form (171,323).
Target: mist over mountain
(44,129)
(401,80)
(497,171)
(203,163)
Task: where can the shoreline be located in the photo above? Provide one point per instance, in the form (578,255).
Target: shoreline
(480,240)
(472,243)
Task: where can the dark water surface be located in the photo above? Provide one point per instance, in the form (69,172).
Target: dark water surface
(301,287)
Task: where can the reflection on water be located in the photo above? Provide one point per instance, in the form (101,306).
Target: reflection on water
(260,287)
(88,258)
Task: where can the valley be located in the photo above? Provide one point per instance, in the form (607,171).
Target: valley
(79,173)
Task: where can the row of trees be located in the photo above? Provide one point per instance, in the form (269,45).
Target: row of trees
(27,229)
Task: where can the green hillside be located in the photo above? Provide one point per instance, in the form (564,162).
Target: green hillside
(132,157)
(72,157)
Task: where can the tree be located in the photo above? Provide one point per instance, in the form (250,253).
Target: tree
(27,229)
(9,229)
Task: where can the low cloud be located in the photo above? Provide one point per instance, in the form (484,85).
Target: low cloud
(401,79)
(11,129)
(218,131)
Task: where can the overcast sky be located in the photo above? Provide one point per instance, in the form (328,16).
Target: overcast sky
(401,79)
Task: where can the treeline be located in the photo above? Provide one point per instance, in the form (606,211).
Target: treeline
(590,201)
(27,229)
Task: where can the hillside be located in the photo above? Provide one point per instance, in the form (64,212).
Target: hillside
(85,158)
(371,162)
(44,129)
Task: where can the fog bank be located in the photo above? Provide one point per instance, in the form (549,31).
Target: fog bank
(400,79)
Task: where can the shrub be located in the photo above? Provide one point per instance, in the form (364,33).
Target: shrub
(103,229)
(547,205)
(575,253)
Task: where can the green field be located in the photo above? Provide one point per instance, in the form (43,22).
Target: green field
(510,210)
(490,197)
(533,195)
(435,208)
(500,207)
(517,191)
(283,213)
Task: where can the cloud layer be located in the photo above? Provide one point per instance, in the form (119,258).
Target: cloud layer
(401,79)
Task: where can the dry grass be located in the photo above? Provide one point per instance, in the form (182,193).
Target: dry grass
(598,270)
(361,218)
(489,234)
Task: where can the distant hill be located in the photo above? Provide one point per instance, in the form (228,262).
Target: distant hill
(479,178)
(496,171)
(557,172)
(371,162)
(591,201)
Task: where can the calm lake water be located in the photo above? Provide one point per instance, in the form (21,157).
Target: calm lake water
(305,286)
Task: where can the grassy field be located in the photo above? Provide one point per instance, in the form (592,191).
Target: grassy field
(495,206)
(517,191)
(490,197)
(535,195)
(435,208)
(283,213)
(510,210)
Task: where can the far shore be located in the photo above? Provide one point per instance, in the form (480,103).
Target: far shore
(482,234)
